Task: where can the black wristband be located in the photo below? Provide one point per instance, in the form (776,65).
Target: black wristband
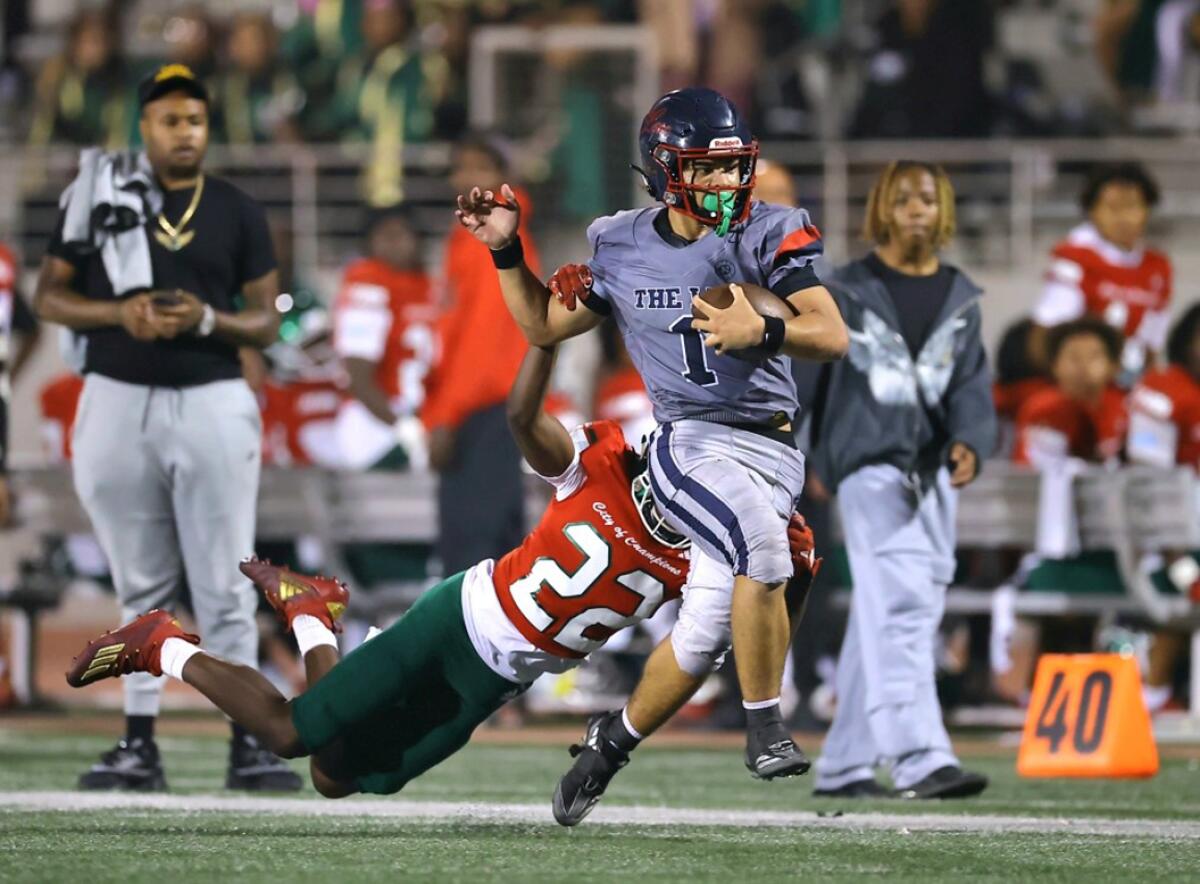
(510,256)
(774,332)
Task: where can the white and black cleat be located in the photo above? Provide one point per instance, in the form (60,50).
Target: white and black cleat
(597,760)
(780,757)
(133,765)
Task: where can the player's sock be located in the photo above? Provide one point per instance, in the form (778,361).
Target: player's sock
(762,714)
(311,633)
(621,733)
(175,652)
(139,727)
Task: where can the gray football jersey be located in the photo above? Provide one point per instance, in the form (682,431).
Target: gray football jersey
(648,285)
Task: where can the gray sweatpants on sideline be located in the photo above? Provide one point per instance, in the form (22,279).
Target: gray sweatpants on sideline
(900,543)
(169,479)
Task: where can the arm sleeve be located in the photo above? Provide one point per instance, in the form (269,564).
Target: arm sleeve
(1043,432)
(573,477)
(257,256)
(600,301)
(1152,330)
(57,247)
(1062,298)
(970,408)
(791,244)
(23,320)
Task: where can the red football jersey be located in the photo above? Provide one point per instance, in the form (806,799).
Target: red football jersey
(386,316)
(1165,418)
(1129,290)
(1052,425)
(298,422)
(59,400)
(590,567)
(1009,398)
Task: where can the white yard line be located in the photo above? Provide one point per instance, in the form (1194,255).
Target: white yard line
(444,811)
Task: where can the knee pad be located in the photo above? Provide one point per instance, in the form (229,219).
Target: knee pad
(694,657)
(703,633)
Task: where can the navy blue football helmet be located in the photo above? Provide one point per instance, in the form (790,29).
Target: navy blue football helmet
(692,124)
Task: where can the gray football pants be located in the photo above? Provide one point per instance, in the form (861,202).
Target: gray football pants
(732,492)
(169,479)
(900,543)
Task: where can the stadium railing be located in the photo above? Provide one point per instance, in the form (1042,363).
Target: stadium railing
(1014,195)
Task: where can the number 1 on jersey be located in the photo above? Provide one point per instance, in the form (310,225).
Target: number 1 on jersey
(694,355)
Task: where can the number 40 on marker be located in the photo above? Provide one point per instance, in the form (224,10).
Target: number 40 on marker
(1087,719)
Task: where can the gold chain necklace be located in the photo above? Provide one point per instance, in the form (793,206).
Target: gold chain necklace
(173,236)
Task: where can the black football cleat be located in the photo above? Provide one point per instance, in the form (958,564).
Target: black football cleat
(597,760)
(867,788)
(771,754)
(255,769)
(946,782)
(130,766)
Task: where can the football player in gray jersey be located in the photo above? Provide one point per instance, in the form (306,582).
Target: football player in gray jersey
(723,465)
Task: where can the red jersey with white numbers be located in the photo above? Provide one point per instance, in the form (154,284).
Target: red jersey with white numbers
(590,567)
(298,421)
(59,400)
(386,317)
(1089,275)
(1164,426)
(1051,426)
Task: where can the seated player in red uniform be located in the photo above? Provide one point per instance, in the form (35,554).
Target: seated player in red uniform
(599,560)
(1164,421)
(1083,415)
(1104,268)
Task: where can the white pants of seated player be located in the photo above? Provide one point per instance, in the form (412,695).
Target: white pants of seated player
(900,543)
(169,479)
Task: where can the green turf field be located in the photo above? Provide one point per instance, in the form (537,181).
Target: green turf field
(673,814)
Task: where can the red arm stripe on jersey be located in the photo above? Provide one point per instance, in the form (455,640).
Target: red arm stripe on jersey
(797,241)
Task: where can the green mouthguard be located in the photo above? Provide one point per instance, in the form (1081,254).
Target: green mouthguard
(721,201)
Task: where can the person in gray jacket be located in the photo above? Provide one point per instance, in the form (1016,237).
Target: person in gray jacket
(900,424)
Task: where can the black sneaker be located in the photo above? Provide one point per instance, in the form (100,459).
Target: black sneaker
(255,769)
(597,761)
(867,788)
(131,765)
(771,753)
(946,782)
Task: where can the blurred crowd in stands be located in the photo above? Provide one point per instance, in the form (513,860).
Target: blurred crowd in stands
(391,72)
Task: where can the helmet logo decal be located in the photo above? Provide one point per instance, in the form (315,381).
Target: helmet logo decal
(728,141)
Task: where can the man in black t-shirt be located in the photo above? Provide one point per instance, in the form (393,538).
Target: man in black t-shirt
(167,437)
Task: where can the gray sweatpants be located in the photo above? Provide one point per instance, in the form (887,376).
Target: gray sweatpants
(169,479)
(900,543)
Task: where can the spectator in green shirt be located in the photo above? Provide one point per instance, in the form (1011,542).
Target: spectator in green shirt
(256,96)
(385,97)
(85,95)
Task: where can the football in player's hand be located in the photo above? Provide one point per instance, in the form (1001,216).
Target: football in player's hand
(764,301)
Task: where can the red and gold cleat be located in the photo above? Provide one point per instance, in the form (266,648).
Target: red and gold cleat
(134,647)
(291,594)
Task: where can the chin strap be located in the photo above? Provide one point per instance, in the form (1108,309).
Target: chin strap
(723,202)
